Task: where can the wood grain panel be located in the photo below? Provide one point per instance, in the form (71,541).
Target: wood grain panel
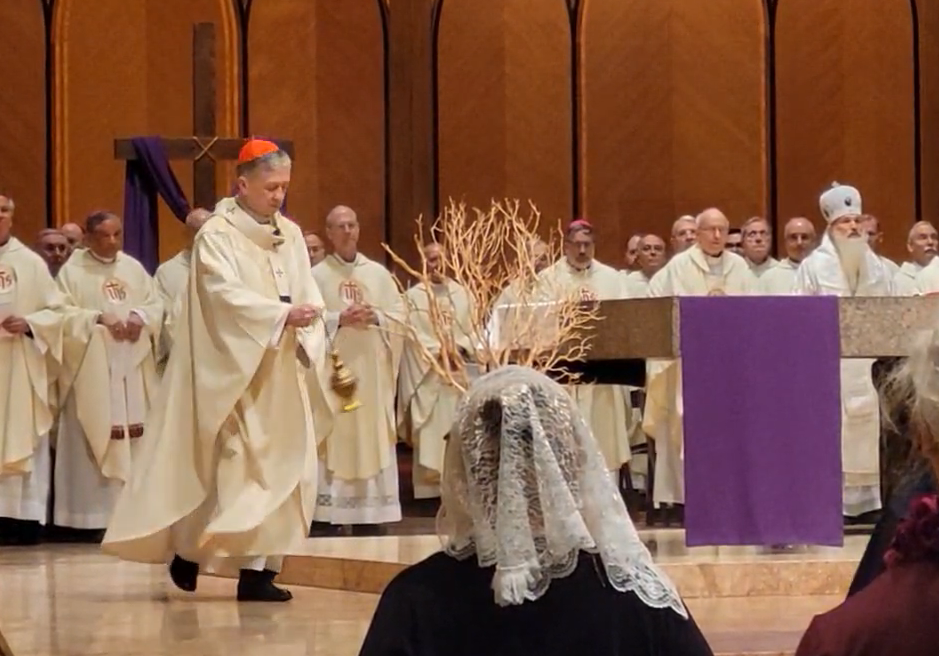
(844,112)
(504,103)
(23,108)
(673,115)
(928,13)
(137,81)
(317,76)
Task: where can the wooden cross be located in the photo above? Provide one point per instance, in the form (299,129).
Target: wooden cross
(204,148)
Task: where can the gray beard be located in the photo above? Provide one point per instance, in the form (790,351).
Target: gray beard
(852,254)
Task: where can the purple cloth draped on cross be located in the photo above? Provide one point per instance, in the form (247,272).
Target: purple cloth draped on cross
(762,420)
(147,177)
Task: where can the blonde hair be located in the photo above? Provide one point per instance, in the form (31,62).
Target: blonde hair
(912,390)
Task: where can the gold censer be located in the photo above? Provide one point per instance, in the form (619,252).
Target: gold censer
(343,383)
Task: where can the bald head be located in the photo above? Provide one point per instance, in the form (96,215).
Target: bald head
(197,218)
(800,238)
(74,233)
(342,231)
(683,233)
(922,242)
(712,228)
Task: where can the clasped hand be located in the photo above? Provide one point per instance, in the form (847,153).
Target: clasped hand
(15,325)
(122,331)
(301,316)
(358,316)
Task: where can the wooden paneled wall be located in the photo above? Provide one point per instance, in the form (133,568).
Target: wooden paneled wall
(627,112)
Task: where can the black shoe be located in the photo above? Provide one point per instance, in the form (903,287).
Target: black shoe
(259,586)
(19,533)
(185,574)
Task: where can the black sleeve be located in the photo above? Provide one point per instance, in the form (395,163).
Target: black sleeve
(683,636)
(391,632)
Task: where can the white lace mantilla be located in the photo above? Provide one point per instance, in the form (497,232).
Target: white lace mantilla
(525,489)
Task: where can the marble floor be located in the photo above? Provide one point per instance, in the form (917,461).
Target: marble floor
(74,601)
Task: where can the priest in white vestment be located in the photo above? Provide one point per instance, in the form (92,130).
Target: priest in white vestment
(650,259)
(705,269)
(171,278)
(426,403)
(683,235)
(31,325)
(605,407)
(799,239)
(358,457)
(734,243)
(512,294)
(53,247)
(756,242)
(315,248)
(921,243)
(75,234)
(631,257)
(844,265)
(875,239)
(227,474)
(108,379)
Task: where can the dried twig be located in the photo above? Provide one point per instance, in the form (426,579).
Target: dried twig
(494,254)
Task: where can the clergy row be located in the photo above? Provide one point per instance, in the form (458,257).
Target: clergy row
(87,334)
(709,261)
(647,253)
(92,345)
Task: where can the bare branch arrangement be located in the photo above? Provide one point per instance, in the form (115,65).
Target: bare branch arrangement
(517,315)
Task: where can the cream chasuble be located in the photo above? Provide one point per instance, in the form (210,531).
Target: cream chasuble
(766,265)
(107,386)
(927,280)
(27,383)
(779,279)
(892,267)
(171,278)
(426,404)
(637,284)
(690,273)
(821,274)
(228,465)
(605,407)
(904,281)
(359,468)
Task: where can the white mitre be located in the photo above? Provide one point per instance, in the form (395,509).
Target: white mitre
(838,201)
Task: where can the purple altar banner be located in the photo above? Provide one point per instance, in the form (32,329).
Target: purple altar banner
(762,420)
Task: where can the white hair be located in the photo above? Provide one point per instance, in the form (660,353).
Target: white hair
(711,211)
(682,219)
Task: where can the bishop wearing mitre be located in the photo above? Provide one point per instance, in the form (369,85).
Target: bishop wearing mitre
(845,265)
(171,278)
(358,463)
(107,379)
(31,326)
(440,311)
(227,477)
(704,269)
(605,407)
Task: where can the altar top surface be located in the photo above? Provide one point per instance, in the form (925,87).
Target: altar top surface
(870,327)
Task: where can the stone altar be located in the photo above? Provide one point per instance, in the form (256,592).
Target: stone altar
(630,331)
